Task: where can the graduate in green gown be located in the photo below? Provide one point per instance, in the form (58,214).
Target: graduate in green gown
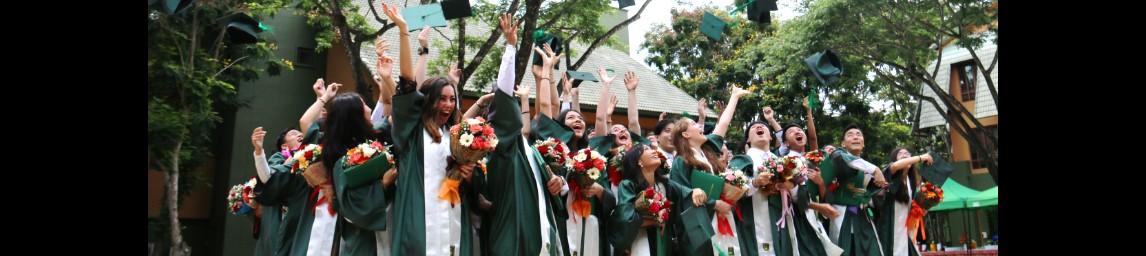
(270,212)
(858,180)
(293,191)
(892,214)
(422,114)
(762,201)
(348,125)
(521,221)
(699,153)
(632,234)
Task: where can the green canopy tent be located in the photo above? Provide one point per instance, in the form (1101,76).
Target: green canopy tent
(956,196)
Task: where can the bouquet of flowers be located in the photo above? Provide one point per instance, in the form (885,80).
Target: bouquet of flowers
(240,197)
(470,141)
(735,184)
(929,195)
(302,159)
(653,206)
(616,164)
(585,169)
(814,157)
(555,152)
(792,169)
(363,164)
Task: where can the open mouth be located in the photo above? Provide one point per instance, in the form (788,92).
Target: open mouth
(799,138)
(760,133)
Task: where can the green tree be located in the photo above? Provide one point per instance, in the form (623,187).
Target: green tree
(769,60)
(572,20)
(898,40)
(192,69)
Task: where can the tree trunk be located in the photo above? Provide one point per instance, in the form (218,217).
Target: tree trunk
(532,8)
(178,247)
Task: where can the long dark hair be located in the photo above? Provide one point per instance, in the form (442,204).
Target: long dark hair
(346,127)
(432,88)
(633,172)
(900,191)
(685,152)
(574,143)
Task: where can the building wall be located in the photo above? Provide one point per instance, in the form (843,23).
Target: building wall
(275,103)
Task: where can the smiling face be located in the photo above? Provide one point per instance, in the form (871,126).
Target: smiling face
(292,140)
(795,139)
(621,135)
(574,120)
(758,136)
(445,105)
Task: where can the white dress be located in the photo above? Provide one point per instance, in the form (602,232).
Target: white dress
(443,222)
(901,245)
(321,230)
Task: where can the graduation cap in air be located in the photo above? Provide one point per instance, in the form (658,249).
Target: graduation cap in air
(424,15)
(457,9)
(712,26)
(174,6)
(825,66)
(759,10)
(243,29)
(938,171)
(621,4)
(578,77)
(540,36)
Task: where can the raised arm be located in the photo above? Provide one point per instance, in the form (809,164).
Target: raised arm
(726,115)
(523,96)
(261,167)
(385,81)
(634,115)
(315,110)
(770,116)
(811,126)
(506,72)
(423,54)
(905,163)
(405,65)
(603,111)
(478,106)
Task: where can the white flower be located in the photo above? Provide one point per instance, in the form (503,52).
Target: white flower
(579,157)
(473,121)
(310,147)
(593,173)
(595,155)
(738,173)
(493,141)
(466,140)
(367,151)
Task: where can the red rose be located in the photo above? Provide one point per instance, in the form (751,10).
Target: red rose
(488,130)
(376,145)
(309,154)
(543,150)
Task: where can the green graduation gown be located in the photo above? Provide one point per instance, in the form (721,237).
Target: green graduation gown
(513,223)
(857,235)
(408,210)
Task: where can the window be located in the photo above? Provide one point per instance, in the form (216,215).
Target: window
(306,57)
(966,75)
